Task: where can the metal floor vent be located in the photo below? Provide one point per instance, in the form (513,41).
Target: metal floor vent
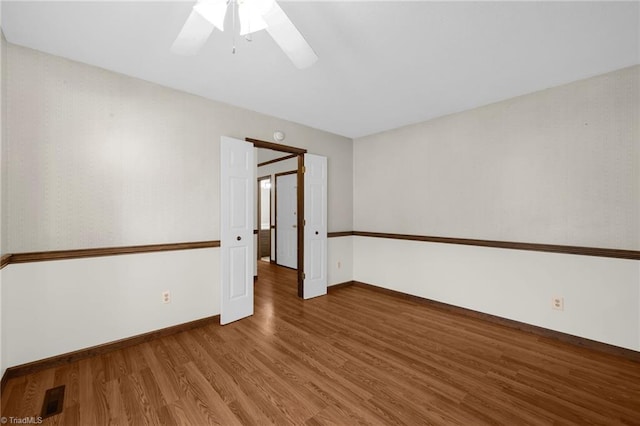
(53,399)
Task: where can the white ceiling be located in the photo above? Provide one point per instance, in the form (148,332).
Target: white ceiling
(382,64)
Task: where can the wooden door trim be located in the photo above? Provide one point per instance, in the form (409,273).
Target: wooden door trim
(276,146)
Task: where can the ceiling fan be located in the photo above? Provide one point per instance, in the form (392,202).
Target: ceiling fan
(254,15)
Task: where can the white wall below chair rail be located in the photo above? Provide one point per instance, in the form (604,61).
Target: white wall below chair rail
(601,295)
(55,307)
(339,260)
(3,346)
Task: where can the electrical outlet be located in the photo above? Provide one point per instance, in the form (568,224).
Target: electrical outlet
(166,296)
(557,303)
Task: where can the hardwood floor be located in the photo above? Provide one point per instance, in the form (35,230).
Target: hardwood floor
(353,357)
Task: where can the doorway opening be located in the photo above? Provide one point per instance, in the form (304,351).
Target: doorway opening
(238,224)
(264,218)
(297,154)
(286,219)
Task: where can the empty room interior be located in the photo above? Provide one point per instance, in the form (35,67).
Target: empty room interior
(320,212)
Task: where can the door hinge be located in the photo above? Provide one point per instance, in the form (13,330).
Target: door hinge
(304,169)
(304,276)
(304,222)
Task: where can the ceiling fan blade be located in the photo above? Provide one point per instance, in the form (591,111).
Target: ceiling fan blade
(287,36)
(194,34)
(213,11)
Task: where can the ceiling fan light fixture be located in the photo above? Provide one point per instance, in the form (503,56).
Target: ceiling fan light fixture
(250,22)
(254,15)
(213,11)
(251,14)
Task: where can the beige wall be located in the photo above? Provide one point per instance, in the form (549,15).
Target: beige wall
(98,159)
(559,166)
(3,144)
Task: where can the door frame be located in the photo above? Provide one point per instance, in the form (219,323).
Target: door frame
(300,202)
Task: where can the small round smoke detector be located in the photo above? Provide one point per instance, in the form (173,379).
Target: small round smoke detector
(278,136)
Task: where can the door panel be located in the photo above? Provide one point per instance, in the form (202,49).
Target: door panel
(238,202)
(315,230)
(238,287)
(237,172)
(287,221)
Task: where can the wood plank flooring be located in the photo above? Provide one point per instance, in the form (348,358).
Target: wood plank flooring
(353,357)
